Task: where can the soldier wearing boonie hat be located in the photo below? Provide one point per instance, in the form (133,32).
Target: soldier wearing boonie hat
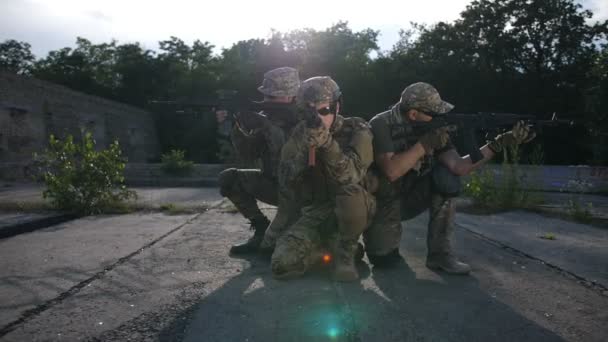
(244,187)
(278,82)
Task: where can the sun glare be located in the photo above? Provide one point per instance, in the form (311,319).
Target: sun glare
(222,23)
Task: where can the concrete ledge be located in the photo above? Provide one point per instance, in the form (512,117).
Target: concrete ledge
(16,171)
(583,179)
(173,182)
(202,175)
(155,170)
(136,174)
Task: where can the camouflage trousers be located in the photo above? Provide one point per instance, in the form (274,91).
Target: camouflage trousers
(289,209)
(396,203)
(243,187)
(318,229)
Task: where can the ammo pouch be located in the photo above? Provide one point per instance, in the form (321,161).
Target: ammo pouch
(444,182)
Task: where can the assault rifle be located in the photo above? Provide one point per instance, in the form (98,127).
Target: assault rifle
(468,125)
(246,113)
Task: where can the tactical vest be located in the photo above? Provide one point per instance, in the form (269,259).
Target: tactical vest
(404,137)
(347,126)
(343,129)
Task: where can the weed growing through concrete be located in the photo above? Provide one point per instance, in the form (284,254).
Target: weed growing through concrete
(577,210)
(580,213)
(548,236)
(174,209)
(487,191)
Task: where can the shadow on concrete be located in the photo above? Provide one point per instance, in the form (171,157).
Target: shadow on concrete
(391,305)
(27,226)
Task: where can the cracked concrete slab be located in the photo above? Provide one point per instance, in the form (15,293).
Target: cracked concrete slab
(577,248)
(186,287)
(40,266)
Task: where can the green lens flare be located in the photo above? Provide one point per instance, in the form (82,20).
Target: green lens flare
(333,332)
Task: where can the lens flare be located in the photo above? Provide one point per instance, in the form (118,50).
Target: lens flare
(333,332)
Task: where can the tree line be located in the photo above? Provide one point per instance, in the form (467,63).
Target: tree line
(522,56)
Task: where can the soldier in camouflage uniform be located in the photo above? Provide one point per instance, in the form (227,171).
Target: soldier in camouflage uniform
(245,186)
(421,172)
(339,206)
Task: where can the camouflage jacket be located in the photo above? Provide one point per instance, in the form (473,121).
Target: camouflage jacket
(344,159)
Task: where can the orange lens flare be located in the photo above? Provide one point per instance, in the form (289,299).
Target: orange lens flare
(326,258)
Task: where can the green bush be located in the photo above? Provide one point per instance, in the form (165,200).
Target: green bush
(508,193)
(480,186)
(175,163)
(82,180)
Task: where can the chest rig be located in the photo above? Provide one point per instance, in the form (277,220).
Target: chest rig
(404,137)
(342,131)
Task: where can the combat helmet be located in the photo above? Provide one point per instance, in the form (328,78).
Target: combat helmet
(317,90)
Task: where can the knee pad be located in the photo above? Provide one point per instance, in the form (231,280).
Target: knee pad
(290,258)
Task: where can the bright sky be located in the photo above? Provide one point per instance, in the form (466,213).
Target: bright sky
(53,24)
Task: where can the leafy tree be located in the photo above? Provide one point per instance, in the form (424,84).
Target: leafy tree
(135,70)
(523,56)
(183,70)
(342,54)
(16,56)
(81,68)
(548,44)
(596,109)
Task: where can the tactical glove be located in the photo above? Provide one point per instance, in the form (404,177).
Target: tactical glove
(318,136)
(520,134)
(435,140)
(251,121)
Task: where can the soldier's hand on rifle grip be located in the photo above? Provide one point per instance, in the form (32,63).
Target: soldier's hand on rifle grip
(318,137)
(435,139)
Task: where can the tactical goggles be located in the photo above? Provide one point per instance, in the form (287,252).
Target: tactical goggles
(324,111)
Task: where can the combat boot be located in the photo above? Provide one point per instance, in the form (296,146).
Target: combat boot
(259,227)
(345,269)
(447,263)
(440,229)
